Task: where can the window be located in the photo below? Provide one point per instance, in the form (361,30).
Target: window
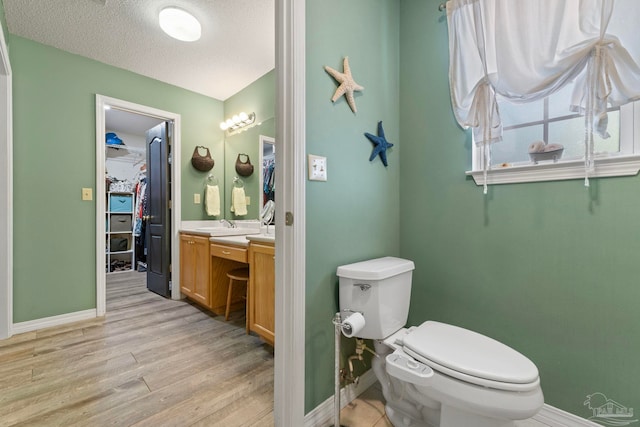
(550,120)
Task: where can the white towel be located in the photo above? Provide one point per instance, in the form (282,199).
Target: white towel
(212,200)
(238,201)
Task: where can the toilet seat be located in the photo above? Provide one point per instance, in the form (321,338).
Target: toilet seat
(470,357)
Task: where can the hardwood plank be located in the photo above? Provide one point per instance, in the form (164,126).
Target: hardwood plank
(250,409)
(150,361)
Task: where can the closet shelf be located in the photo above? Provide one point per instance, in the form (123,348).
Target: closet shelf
(128,148)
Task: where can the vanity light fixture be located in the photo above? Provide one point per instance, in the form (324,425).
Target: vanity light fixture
(179,24)
(238,122)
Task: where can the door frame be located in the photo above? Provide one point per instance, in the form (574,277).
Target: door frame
(6,191)
(101,103)
(289,387)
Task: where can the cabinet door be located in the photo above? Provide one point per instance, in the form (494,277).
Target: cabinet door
(262,291)
(194,268)
(201,290)
(187,265)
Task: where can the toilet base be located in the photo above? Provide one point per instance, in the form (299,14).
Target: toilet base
(452,417)
(408,405)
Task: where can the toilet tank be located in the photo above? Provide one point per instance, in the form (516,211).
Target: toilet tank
(381,290)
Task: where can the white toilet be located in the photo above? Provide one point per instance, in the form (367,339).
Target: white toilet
(435,374)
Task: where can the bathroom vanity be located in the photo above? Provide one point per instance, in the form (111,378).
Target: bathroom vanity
(205,261)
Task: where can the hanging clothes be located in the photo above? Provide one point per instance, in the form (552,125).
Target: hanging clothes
(268,179)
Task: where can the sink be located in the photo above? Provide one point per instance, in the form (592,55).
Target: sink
(223,231)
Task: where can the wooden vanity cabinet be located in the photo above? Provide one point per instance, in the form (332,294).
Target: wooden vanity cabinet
(262,280)
(194,268)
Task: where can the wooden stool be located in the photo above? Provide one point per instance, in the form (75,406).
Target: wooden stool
(238,275)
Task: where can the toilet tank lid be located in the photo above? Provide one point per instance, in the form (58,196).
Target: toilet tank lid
(375,269)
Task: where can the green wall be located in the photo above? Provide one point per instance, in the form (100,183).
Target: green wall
(54,157)
(259,97)
(550,269)
(354,215)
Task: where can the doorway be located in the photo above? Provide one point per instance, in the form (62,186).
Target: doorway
(145,117)
(6,192)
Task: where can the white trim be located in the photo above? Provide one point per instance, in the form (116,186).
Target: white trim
(290,343)
(48,322)
(323,413)
(555,417)
(604,167)
(176,211)
(6,192)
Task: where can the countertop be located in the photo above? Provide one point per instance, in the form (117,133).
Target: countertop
(260,234)
(244,240)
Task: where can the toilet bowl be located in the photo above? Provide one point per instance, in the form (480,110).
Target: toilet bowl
(435,374)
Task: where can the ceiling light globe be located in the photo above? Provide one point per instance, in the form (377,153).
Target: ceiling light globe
(180,24)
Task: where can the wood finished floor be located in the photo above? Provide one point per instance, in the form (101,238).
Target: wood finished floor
(150,362)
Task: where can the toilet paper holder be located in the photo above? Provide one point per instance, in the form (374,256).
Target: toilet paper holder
(346,327)
(338,323)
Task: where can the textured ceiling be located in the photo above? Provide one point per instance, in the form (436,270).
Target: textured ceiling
(237,45)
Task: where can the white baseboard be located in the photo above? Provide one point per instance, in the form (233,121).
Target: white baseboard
(555,417)
(47,322)
(322,415)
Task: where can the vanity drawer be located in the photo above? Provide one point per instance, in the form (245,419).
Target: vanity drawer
(229,252)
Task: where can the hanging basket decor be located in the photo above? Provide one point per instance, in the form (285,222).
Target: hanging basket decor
(202,163)
(244,168)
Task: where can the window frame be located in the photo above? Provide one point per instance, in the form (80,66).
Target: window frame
(607,165)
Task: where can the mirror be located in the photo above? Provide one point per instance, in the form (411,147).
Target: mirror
(250,146)
(267,213)
(267,149)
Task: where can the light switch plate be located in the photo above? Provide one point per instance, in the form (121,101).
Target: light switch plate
(247,200)
(317,168)
(87,194)
(196,198)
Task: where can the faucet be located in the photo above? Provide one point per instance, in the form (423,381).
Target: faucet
(231,223)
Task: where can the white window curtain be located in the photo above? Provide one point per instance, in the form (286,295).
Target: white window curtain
(525,50)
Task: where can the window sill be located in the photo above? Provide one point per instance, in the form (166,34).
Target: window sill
(604,167)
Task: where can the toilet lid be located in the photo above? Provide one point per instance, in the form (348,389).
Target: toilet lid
(462,351)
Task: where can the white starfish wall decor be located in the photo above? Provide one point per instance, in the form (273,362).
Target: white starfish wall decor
(347,84)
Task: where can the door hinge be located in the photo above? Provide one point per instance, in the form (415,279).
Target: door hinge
(288,218)
(170,204)
(170,285)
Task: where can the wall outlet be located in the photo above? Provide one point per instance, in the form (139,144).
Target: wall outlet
(247,200)
(87,194)
(317,168)
(196,199)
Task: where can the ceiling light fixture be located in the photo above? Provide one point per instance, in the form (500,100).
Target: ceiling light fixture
(180,24)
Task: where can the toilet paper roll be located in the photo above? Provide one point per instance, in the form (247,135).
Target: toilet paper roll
(352,325)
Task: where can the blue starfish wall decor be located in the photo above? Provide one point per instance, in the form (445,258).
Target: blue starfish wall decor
(381,144)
